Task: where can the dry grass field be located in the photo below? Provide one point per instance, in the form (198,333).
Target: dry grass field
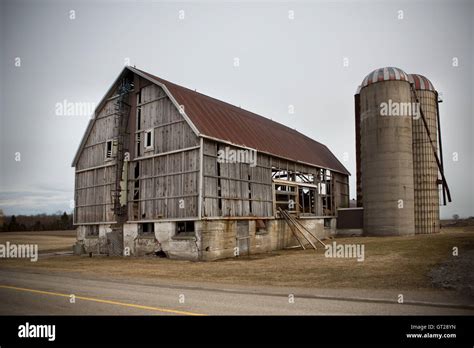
(390,262)
(48,241)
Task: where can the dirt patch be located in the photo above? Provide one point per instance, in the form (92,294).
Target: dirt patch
(456,273)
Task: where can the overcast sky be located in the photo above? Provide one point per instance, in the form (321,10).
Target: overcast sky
(289,53)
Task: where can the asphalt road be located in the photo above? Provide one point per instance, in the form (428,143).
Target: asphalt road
(24,293)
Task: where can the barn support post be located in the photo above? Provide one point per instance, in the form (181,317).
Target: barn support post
(201,173)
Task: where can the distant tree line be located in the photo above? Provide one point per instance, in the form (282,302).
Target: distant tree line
(40,222)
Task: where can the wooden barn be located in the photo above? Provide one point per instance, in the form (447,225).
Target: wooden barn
(166,170)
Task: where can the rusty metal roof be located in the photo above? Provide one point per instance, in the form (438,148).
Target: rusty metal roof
(222,121)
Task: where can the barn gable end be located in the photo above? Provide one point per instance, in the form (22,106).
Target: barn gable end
(175,150)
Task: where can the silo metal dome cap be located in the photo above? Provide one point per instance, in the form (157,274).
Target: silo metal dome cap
(384,74)
(421,82)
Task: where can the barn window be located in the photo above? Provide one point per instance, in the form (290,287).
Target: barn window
(306,200)
(109,149)
(260,227)
(146,229)
(139,97)
(184,228)
(149,139)
(327,223)
(138,144)
(286,196)
(92,231)
(139,118)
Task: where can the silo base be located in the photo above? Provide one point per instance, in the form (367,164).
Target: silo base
(381,231)
(386,219)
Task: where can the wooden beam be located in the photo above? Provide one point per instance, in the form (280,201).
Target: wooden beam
(160,126)
(201,176)
(96,167)
(152,101)
(165,153)
(237,179)
(163,175)
(161,198)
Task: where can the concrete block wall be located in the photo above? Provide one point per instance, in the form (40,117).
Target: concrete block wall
(172,245)
(164,239)
(218,237)
(260,241)
(138,245)
(103,230)
(282,236)
(93,244)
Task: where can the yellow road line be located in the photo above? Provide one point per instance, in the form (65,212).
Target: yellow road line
(101,301)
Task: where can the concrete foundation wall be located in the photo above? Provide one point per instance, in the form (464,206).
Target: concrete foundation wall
(176,247)
(212,239)
(138,245)
(93,244)
(219,237)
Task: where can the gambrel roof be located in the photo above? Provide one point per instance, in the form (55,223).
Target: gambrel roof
(214,119)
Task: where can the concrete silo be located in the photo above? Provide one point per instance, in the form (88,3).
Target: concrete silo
(425,168)
(357,139)
(386,153)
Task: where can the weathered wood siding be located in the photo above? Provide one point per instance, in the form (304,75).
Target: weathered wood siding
(93,153)
(93,198)
(235,189)
(168,177)
(95,176)
(341,190)
(241,190)
(168,174)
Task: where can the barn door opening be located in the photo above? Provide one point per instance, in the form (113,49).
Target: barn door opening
(136,191)
(115,241)
(243,238)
